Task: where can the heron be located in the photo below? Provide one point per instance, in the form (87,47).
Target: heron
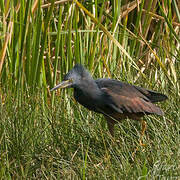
(114,99)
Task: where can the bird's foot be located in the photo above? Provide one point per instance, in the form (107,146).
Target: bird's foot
(137,148)
(142,144)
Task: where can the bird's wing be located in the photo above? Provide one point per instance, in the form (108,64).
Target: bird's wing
(128,98)
(153,96)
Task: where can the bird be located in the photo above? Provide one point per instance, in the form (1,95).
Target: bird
(114,99)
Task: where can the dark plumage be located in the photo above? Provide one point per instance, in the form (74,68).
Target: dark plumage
(114,99)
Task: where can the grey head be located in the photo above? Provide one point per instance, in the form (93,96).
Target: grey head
(74,77)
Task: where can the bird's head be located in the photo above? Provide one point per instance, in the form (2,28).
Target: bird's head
(74,77)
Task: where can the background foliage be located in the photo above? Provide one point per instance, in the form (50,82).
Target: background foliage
(49,136)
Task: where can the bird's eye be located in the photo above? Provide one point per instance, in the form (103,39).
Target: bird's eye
(71,80)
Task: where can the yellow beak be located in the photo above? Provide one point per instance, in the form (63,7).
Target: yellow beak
(63,84)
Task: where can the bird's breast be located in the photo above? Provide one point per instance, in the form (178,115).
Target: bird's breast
(87,100)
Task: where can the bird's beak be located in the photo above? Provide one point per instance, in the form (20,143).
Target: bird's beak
(63,84)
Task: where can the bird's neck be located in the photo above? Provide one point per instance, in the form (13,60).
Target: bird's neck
(90,88)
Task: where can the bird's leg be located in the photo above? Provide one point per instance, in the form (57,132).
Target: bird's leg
(110,123)
(144,126)
(111,127)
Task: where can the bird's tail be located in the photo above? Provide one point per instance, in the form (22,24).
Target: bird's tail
(156,97)
(153,96)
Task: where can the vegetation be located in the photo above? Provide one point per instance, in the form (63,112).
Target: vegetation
(47,135)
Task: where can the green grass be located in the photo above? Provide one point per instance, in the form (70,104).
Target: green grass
(42,142)
(47,135)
